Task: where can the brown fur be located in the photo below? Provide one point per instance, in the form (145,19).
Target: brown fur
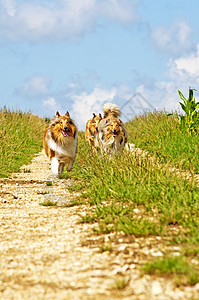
(60,141)
(112,135)
(91,129)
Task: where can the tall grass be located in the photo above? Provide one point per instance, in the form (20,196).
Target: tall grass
(162,137)
(21,137)
(116,186)
(132,194)
(128,193)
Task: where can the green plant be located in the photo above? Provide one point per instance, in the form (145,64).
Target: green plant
(105,247)
(182,271)
(190,120)
(49,183)
(121,282)
(48,203)
(21,137)
(161,136)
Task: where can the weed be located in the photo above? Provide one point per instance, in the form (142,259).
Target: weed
(105,247)
(26,170)
(121,283)
(48,203)
(161,136)
(42,193)
(21,137)
(49,183)
(74,203)
(178,267)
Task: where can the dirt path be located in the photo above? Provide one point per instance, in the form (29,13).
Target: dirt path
(46,254)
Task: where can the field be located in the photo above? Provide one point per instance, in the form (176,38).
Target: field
(133,194)
(143,197)
(21,137)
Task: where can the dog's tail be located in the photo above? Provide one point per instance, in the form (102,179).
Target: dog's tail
(111,108)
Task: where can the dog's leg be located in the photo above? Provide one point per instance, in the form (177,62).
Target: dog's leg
(61,168)
(54,166)
(70,164)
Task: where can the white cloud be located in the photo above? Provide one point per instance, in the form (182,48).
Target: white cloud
(173,40)
(183,73)
(35,87)
(50,106)
(85,104)
(34,21)
(188,64)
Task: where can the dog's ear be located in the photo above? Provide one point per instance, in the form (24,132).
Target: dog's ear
(67,114)
(94,115)
(57,114)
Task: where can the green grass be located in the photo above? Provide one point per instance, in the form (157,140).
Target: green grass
(121,282)
(181,270)
(129,194)
(21,137)
(49,183)
(161,136)
(48,203)
(115,187)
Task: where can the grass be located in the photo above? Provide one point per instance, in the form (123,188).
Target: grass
(129,194)
(181,270)
(161,136)
(49,183)
(48,203)
(21,137)
(121,282)
(115,187)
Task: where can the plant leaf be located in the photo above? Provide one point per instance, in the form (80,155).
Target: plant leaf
(182,97)
(183,106)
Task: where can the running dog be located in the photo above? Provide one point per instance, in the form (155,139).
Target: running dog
(92,130)
(112,135)
(60,143)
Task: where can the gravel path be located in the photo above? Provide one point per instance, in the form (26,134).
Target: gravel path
(45,253)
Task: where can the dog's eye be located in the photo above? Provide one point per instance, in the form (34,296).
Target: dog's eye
(70,122)
(61,122)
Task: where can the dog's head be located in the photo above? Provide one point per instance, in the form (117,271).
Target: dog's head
(113,127)
(94,123)
(63,126)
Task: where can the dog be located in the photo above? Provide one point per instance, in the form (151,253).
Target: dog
(112,135)
(60,142)
(91,130)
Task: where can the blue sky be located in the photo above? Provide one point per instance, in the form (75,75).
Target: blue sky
(77,55)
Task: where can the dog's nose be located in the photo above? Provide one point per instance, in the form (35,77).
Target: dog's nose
(114,131)
(65,128)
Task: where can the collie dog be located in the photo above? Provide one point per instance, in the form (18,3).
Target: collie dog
(112,135)
(60,142)
(92,130)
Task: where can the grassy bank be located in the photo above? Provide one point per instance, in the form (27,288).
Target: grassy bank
(21,137)
(128,194)
(135,196)
(161,136)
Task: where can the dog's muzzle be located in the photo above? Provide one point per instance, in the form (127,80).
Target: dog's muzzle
(115,133)
(65,132)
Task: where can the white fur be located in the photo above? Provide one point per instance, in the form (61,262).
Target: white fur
(113,108)
(59,149)
(54,166)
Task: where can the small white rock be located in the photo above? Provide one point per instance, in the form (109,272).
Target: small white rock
(156,288)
